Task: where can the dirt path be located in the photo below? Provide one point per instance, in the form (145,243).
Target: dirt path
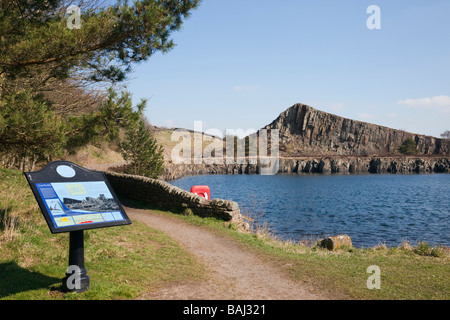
(234,272)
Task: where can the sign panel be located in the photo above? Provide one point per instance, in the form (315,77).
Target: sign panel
(73,198)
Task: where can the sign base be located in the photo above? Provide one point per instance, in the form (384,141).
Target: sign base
(76,279)
(79,285)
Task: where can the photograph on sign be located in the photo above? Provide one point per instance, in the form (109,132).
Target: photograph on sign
(77,203)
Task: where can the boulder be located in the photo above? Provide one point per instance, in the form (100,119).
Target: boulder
(336,242)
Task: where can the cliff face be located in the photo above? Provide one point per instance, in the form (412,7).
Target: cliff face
(312,141)
(335,164)
(307,131)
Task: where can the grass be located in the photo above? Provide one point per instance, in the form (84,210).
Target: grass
(164,137)
(128,262)
(96,154)
(407,272)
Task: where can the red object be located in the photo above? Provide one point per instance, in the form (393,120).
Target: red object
(202,191)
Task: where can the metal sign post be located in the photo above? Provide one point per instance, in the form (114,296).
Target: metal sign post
(76,276)
(73,199)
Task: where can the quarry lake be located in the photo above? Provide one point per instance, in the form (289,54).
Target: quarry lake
(371,209)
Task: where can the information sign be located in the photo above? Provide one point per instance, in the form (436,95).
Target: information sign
(73,198)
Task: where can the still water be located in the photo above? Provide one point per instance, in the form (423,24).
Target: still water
(371,209)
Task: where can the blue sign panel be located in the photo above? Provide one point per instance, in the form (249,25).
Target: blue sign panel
(73,198)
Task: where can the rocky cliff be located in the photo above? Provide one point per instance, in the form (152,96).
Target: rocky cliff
(331,164)
(305,131)
(312,141)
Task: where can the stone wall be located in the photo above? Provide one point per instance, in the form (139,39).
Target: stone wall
(162,194)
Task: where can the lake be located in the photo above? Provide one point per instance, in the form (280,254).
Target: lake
(371,209)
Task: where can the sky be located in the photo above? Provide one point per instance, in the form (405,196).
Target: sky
(238,64)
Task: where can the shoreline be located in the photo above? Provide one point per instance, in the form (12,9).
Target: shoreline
(311,239)
(320,164)
(312,174)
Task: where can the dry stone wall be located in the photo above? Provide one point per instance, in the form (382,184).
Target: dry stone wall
(162,194)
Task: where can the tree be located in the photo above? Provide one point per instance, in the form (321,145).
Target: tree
(408,147)
(37,45)
(44,65)
(29,131)
(113,114)
(446,135)
(142,150)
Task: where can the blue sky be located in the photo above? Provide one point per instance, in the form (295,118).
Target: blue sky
(240,63)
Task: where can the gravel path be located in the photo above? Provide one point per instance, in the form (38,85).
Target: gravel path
(234,272)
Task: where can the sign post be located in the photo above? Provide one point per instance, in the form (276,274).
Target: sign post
(73,199)
(76,276)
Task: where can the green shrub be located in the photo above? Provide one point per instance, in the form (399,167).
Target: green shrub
(423,249)
(408,147)
(437,252)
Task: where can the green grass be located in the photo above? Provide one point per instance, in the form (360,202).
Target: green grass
(127,262)
(407,273)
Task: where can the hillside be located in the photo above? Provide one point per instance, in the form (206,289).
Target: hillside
(164,137)
(311,141)
(305,131)
(308,132)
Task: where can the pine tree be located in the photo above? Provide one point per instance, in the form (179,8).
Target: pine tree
(40,54)
(143,152)
(36,45)
(408,147)
(29,131)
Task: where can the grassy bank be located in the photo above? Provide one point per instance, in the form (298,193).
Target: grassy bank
(126,262)
(407,272)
